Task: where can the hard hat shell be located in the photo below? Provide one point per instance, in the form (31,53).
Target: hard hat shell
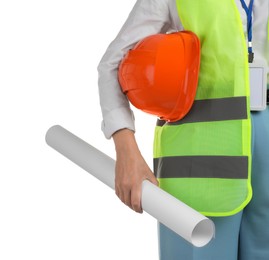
(160,74)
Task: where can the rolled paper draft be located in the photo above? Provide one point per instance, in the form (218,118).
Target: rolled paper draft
(179,217)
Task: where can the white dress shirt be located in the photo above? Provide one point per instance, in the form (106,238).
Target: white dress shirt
(151,17)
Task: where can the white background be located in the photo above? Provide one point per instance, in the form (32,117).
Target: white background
(49,207)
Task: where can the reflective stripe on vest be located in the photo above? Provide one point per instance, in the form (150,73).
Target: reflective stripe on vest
(205,159)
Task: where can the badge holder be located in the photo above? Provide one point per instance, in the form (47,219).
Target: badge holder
(258,85)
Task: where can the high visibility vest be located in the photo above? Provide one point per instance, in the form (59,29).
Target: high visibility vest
(204,159)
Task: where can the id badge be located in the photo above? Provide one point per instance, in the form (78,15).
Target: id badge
(258,85)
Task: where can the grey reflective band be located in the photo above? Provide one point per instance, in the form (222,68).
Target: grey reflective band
(207,110)
(227,167)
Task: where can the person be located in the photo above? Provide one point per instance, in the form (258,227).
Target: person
(243,235)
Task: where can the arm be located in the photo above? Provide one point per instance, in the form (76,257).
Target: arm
(147,17)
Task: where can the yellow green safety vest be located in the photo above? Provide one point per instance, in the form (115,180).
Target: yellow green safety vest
(204,159)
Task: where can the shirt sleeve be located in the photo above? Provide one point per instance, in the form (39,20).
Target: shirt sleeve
(146,18)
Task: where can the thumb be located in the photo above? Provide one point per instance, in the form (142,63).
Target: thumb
(153,179)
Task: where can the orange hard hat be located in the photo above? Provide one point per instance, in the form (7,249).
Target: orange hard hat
(160,74)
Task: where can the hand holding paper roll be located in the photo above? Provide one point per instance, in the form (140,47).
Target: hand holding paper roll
(186,222)
(131,170)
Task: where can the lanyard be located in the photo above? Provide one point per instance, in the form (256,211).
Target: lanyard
(248,10)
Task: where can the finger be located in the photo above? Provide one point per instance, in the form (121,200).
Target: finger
(136,198)
(117,191)
(153,179)
(126,197)
(120,193)
(156,182)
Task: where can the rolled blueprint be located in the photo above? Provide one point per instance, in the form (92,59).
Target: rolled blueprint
(183,220)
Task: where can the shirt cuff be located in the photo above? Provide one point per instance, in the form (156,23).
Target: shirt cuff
(117,119)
